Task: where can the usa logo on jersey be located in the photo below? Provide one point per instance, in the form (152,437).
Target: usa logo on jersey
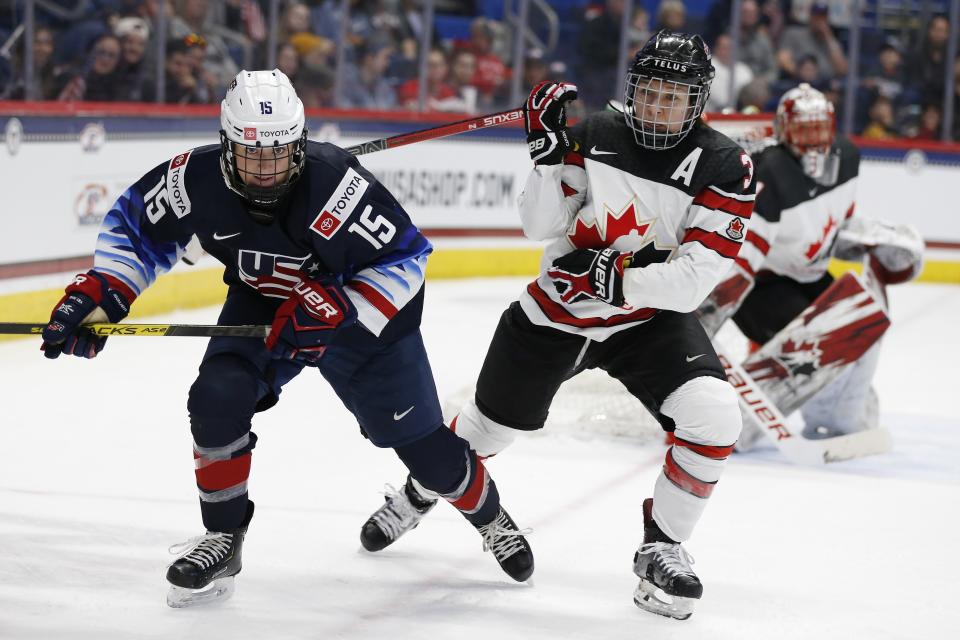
(271,274)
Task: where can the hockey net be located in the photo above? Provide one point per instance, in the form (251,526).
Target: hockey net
(592,403)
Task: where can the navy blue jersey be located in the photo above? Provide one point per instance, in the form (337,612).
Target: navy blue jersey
(338,221)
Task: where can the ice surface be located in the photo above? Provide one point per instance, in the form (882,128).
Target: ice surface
(96,481)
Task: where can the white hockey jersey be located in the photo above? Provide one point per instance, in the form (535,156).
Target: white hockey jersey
(682,211)
(797,219)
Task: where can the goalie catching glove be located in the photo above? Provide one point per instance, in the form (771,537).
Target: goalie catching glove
(545,119)
(91,297)
(307,322)
(591,274)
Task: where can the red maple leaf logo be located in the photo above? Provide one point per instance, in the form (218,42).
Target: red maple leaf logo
(815,247)
(589,236)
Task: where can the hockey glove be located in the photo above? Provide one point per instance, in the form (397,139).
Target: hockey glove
(545,119)
(591,273)
(307,322)
(91,297)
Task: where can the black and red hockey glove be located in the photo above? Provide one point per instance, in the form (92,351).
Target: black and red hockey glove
(91,297)
(591,274)
(307,322)
(545,119)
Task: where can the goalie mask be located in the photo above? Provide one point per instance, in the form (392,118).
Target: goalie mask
(263,139)
(666,88)
(806,126)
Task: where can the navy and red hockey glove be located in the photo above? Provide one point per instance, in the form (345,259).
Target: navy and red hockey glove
(307,322)
(545,119)
(591,274)
(91,297)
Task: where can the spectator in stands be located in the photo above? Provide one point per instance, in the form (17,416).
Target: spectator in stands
(463,71)
(671,14)
(133,72)
(756,49)
(44,86)
(880,126)
(315,84)
(814,39)
(886,78)
(96,80)
(535,68)
(599,48)
(491,73)
(364,86)
(181,85)
(930,124)
(206,89)
(927,65)
(289,62)
(193,17)
(720,95)
(754,97)
(437,87)
(640,30)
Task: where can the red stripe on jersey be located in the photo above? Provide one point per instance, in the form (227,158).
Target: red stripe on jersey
(573,158)
(706,450)
(712,200)
(453,423)
(568,190)
(724,246)
(745,266)
(557,313)
(849,213)
(374,297)
(758,242)
(683,479)
(224,474)
(470,500)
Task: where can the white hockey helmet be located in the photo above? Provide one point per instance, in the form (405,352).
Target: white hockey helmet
(262,112)
(805,124)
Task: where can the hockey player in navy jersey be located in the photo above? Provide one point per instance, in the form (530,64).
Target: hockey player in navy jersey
(805,215)
(313,245)
(645,210)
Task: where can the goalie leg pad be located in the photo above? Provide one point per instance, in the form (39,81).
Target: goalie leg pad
(844,405)
(708,422)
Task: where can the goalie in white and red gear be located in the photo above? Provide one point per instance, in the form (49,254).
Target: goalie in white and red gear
(804,216)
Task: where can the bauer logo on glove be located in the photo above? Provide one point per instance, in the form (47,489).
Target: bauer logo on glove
(306,323)
(590,274)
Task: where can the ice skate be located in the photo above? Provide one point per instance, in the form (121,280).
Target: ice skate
(508,545)
(205,570)
(668,586)
(401,512)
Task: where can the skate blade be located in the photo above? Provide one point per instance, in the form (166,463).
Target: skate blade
(651,598)
(216,591)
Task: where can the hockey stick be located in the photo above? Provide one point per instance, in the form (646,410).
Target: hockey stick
(444,130)
(174,330)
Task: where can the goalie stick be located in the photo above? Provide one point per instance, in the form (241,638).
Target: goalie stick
(165,330)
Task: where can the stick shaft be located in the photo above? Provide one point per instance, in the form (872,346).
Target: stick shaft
(166,330)
(444,130)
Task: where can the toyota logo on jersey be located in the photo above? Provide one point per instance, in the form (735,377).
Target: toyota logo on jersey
(271,274)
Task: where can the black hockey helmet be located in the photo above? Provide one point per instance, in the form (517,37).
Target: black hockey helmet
(666,89)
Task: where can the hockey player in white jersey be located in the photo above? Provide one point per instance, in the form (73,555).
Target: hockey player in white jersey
(645,211)
(804,215)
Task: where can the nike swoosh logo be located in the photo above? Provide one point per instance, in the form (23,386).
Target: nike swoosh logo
(596,152)
(231,235)
(692,358)
(400,416)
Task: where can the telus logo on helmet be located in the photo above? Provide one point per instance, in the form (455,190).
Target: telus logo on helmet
(669,65)
(341,204)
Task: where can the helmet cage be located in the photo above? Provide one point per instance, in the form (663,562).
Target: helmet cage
(663,131)
(805,123)
(263,197)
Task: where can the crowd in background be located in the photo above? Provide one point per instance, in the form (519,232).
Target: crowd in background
(105,51)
